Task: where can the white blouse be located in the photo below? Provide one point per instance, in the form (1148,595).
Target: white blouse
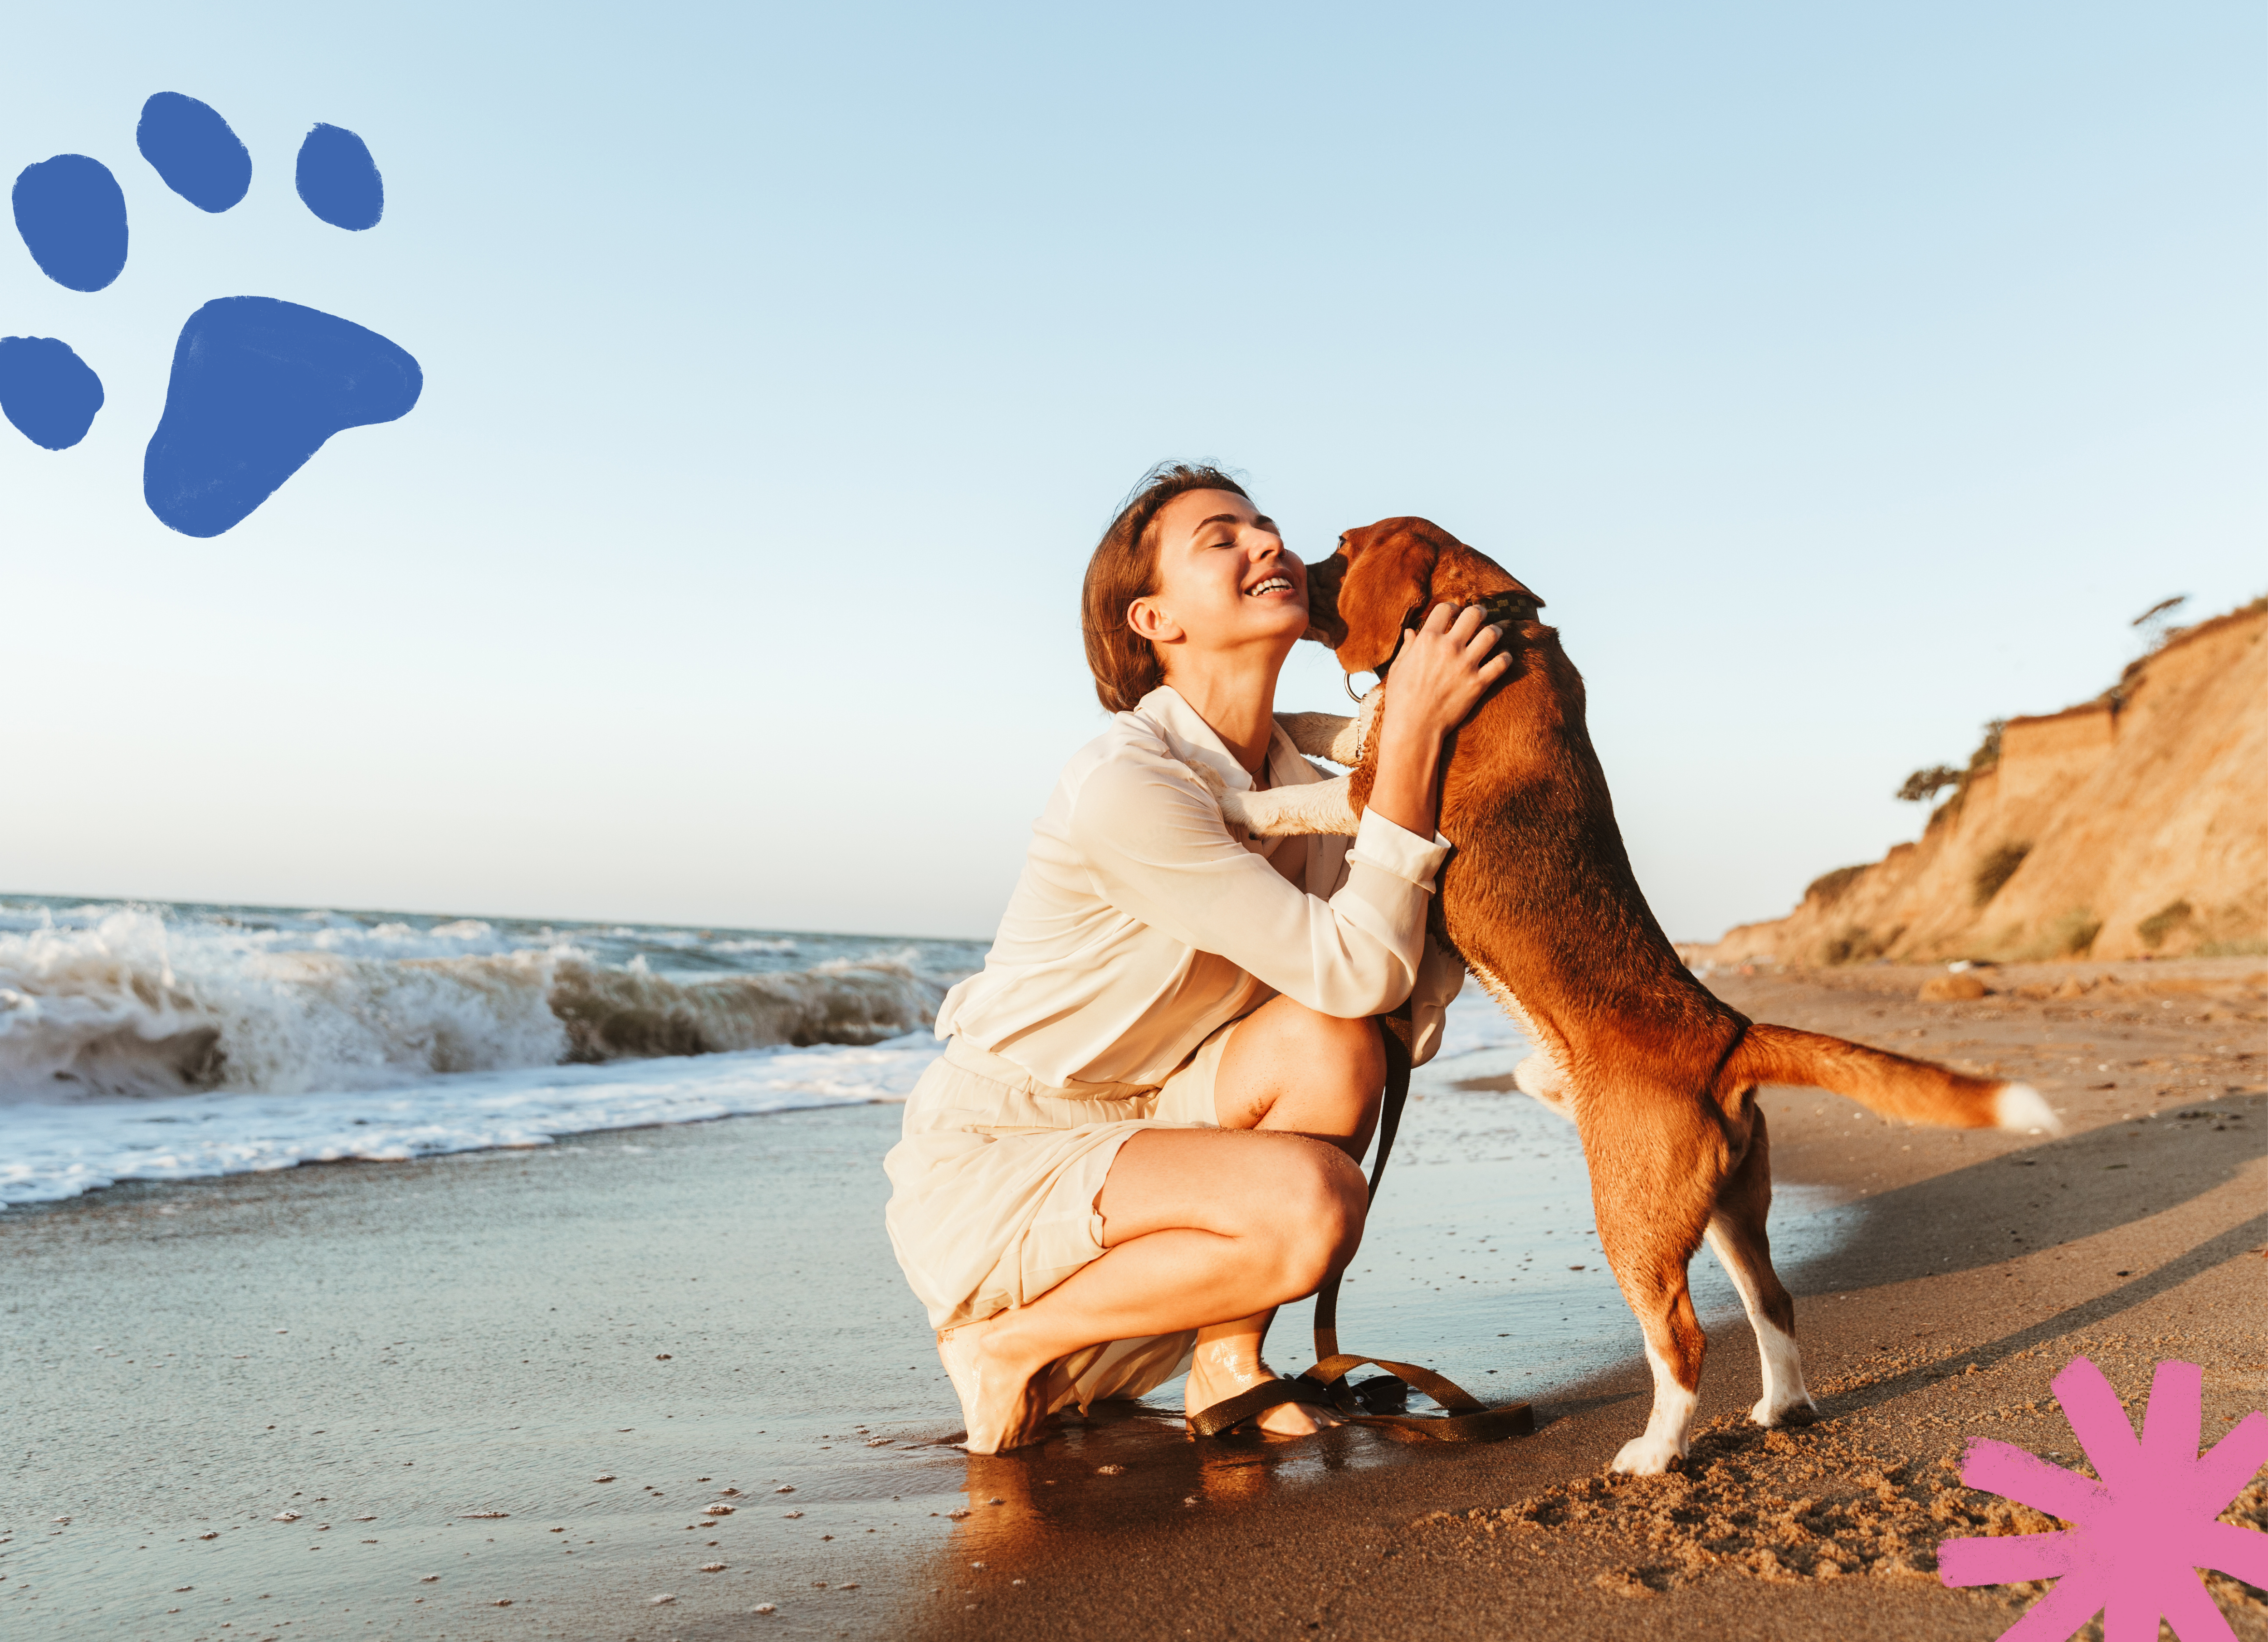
(1141,925)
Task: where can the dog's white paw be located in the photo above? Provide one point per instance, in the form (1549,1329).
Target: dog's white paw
(1770,1415)
(2021,1107)
(1232,803)
(1648,1455)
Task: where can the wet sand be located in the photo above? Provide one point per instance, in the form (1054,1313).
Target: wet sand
(702,1315)
(596,1339)
(474,1334)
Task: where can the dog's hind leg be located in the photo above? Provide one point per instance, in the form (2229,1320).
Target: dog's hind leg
(1650,1221)
(1736,1235)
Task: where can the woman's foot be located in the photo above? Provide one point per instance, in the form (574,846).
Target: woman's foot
(1006,1399)
(1218,1369)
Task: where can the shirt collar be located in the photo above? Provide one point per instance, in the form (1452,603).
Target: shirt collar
(1192,739)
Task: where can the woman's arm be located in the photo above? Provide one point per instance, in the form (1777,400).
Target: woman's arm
(1152,840)
(1444,670)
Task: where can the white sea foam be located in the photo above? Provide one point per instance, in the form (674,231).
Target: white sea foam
(55,1149)
(132,1005)
(155,1042)
(126,1001)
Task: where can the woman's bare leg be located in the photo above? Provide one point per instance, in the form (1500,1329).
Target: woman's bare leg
(1209,1230)
(1286,1067)
(1204,1225)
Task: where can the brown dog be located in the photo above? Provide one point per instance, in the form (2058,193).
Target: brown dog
(1538,897)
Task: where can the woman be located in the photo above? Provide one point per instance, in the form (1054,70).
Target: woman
(1145,1133)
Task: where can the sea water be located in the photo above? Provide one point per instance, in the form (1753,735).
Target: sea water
(166,1041)
(170,1041)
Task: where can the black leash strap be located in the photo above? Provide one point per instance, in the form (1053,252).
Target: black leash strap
(1389,1120)
(1468,1419)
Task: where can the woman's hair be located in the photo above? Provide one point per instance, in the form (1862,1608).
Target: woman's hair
(1124,569)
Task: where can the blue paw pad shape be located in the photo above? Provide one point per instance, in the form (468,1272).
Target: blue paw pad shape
(72,216)
(338,179)
(49,391)
(258,386)
(191,147)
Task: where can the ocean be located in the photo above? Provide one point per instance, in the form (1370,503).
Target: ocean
(153,1040)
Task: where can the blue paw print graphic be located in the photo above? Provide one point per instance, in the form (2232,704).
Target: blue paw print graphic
(258,384)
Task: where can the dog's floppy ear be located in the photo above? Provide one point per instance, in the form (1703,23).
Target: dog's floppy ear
(1389,568)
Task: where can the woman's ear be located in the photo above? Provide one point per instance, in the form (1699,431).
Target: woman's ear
(1389,569)
(1150,622)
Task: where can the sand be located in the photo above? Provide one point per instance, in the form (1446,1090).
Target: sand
(1974,1267)
(475,1334)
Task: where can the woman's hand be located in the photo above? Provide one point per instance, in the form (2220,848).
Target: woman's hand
(1444,670)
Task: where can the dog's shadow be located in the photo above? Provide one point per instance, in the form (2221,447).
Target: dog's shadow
(2058,1191)
(2043,1197)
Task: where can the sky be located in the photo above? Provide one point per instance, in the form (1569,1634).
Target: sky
(1842,378)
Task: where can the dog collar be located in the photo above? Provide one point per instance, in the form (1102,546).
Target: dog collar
(1505,608)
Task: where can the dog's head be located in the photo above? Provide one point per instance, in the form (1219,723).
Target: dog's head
(1386,577)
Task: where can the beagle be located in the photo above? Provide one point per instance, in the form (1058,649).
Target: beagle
(1659,1075)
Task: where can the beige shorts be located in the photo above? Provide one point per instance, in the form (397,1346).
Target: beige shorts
(994,1183)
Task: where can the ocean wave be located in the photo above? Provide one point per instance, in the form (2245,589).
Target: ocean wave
(124,1002)
(610,1014)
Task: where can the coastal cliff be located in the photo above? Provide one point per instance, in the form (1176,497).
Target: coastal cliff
(2131,825)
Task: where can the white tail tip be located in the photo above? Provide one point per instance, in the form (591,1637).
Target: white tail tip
(2020,1107)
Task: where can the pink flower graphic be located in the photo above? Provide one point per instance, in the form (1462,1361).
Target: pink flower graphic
(2138,1535)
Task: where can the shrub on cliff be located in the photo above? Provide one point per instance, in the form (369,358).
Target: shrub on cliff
(1999,867)
(1923,785)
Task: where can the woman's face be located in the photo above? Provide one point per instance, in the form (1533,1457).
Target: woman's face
(1225,581)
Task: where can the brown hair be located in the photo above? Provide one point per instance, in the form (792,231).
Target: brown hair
(1125,567)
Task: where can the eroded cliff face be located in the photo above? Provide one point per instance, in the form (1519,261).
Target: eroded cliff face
(2131,825)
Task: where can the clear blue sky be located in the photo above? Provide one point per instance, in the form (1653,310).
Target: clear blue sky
(1843,377)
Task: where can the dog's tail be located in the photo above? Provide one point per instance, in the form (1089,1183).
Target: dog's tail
(1919,1091)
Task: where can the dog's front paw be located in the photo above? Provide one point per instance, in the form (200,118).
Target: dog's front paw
(1231,802)
(1648,1456)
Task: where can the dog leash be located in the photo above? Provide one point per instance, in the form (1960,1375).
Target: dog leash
(1374,1402)
(1468,1419)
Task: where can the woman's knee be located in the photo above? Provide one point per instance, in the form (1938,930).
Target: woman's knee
(1319,1206)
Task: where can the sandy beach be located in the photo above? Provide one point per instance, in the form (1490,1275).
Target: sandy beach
(504,1388)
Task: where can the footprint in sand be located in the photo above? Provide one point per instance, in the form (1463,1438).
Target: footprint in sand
(258,384)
